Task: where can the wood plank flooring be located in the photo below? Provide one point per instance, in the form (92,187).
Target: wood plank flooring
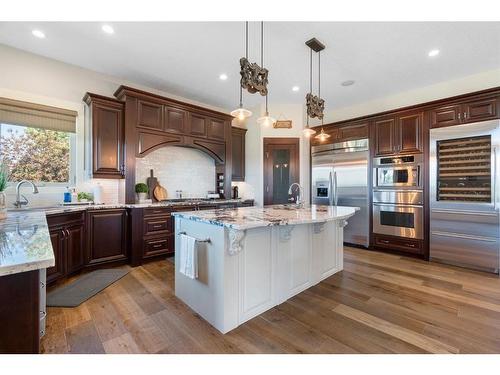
(380,303)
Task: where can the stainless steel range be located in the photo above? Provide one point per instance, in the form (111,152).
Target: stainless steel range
(398,201)
(464,198)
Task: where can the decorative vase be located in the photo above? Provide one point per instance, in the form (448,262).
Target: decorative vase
(3,206)
(142,196)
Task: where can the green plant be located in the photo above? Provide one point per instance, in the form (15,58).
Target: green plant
(141,188)
(4,177)
(83,195)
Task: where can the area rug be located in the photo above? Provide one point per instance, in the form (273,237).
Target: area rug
(86,286)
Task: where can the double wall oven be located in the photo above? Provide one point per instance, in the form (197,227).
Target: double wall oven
(398,201)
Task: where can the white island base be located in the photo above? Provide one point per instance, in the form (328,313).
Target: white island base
(242,273)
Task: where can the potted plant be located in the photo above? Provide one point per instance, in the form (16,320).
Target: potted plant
(4,176)
(84,197)
(142,191)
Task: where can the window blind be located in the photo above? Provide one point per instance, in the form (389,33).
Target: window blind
(21,113)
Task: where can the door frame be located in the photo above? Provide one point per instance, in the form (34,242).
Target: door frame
(293,144)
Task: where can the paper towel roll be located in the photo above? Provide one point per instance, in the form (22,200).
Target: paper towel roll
(97,191)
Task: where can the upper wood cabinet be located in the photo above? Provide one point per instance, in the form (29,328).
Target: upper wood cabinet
(465,112)
(341,133)
(175,120)
(197,125)
(107,136)
(238,153)
(106,236)
(150,115)
(401,133)
(216,128)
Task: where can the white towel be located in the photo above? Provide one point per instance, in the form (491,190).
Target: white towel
(188,257)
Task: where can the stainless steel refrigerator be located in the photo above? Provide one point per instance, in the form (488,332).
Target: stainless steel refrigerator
(464,197)
(339,176)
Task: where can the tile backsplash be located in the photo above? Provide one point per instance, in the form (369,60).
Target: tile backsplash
(179,168)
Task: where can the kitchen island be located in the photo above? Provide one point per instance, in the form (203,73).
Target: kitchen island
(252,259)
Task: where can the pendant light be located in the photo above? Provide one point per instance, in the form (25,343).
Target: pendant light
(322,136)
(240,112)
(265,120)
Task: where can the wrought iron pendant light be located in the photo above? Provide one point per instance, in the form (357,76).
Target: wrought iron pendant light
(265,120)
(241,113)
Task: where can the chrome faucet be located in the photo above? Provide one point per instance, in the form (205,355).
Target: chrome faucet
(299,200)
(19,203)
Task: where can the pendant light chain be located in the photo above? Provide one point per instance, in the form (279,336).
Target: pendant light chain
(246,39)
(319,74)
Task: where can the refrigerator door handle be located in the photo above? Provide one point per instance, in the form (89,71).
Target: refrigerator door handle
(495,178)
(336,190)
(330,189)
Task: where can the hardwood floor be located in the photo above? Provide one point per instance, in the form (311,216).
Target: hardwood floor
(380,303)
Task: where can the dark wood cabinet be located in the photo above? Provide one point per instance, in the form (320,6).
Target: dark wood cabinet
(197,125)
(107,136)
(175,120)
(106,236)
(343,132)
(399,134)
(216,128)
(68,243)
(385,130)
(399,244)
(469,111)
(149,115)
(238,153)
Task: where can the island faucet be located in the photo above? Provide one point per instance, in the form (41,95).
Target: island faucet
(300,196)
(19,203)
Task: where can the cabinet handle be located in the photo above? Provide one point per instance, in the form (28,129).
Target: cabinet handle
(158,245)
(410,244)
(157,226)
(459,116)
(384,241)
(465,115)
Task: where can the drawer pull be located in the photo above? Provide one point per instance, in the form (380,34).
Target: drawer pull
(157,226)
(410,244)
(384,241)
(156,246)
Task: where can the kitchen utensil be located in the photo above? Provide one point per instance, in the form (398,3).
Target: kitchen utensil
(160,193)
(152,182)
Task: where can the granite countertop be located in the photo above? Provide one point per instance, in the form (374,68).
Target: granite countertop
(255,217)
(24,243)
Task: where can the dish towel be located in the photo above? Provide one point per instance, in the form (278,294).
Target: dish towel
(188,257)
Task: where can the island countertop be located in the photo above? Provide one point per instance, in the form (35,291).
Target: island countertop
(25,243)
(255,217)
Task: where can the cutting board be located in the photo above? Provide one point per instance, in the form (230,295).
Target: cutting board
(152,183)
(160,193)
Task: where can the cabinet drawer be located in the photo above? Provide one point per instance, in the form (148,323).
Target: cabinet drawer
(157,225)
(157,246)
(156,211)
(55,220)
(398,243)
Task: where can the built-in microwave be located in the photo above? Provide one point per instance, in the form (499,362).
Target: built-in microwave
(401,172)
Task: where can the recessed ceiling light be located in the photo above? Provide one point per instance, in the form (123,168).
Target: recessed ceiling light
(433,52)
(295,88)
(349,82)
(108,29)
(38,34)
(223,77)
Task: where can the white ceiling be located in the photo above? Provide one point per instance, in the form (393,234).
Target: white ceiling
(186,58)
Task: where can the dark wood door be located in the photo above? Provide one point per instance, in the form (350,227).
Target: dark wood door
(409,132)
(106,236)
(216,128)
(238,153)
(58,239)
(107,140)
(197,125)
(75,246)
(480,110)
(446,115)
(175,120)
(281,168)
(385,132)
(150,115)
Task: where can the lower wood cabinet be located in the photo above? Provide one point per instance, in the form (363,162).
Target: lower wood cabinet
(106,236)
(68,243)
(400,244)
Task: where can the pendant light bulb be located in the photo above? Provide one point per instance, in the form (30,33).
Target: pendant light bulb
(266,120)
(308,132)
(322,136)
(241,113)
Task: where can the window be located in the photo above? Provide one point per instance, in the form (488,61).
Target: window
(37,142)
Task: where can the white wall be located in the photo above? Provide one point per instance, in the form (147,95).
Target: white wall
(179,168)
(37,79)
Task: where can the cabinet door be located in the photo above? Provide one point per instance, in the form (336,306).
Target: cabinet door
(175,120)
(150,115)
(75,246)
(216,128)
(238,154)
(106,238)
(480,110)
(197,125)
(384,137)
(57,237)
(354,131)
(107,140)
(409,132)
(447,115)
